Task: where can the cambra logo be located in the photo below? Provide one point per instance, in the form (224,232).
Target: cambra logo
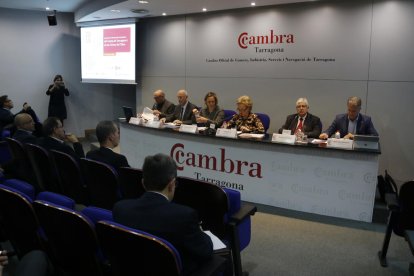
(220,164)
(245,39)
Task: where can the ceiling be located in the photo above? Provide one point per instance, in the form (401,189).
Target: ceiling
(92,10)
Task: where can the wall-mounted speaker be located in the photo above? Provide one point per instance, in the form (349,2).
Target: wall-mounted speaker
(51,19)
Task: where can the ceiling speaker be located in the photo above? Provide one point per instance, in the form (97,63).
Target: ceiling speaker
(51,19)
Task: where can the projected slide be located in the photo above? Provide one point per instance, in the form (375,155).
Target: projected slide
(108,54)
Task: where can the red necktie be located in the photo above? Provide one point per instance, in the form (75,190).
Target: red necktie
(300,125)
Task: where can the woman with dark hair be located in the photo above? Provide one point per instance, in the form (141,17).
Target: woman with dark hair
(57,92)
(211,113)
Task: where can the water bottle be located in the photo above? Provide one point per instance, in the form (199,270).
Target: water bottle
(337,135)
(299,135)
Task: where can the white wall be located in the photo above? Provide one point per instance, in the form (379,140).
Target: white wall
(371,42)
(32,52)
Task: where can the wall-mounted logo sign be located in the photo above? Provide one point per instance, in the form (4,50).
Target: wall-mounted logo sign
(245,39)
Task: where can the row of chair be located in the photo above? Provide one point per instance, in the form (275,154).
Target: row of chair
(86,242)
(264,118)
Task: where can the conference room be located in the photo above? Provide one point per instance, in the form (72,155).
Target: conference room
(275,52)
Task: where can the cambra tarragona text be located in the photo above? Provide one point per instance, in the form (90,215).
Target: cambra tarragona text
(216,163)
(245,39)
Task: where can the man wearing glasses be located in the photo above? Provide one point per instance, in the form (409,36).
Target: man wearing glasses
(302,120)
(154,213)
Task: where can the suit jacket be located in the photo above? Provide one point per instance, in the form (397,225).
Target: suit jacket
(52,144)
(312,125)
(364,125)
(109,157)
(188,118)
(24,137)
(166,108)
(178,224)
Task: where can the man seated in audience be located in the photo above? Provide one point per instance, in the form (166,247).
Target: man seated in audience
(309,124)
(351,123)
(162,107)
(183,112)
(55,139)
(107,133)
(7,117)
(25,127)
(154,213)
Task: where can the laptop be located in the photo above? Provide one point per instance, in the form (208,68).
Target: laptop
(366,142)
(129,112)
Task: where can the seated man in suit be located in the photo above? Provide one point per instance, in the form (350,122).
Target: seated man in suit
(107,133)
(154,213)
(351,123)
(162,107)
(7,117)
(55,139)
(309,124)
(25,127)
(183,112)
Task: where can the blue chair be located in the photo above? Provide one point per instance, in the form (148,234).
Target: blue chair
(21,186)
(228,114)
(5,154)
(221,211)
(134,252)
(96,214)
(72,241)
(265,120)
(56,199)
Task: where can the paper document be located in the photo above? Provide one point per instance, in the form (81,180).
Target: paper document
(147,114)
(217,243)
(318,141)
(251,135)
(171,125)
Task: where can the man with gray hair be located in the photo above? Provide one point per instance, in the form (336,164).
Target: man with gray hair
(162,107)
(302,120)
(107,133)
(154,213)
(183,112)
(351,123)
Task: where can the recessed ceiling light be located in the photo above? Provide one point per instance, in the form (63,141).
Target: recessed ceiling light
(115,11)
(47,8)
(164,14)
(253,4)
(143,2)
(204,9)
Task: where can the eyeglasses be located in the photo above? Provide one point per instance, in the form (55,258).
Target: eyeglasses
(303,106)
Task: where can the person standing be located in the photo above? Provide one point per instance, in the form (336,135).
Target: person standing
(57,92)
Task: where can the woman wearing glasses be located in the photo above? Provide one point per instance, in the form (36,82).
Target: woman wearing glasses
(245,121)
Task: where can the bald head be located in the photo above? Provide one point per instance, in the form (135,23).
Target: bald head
(182,97)
(24,121)
(159,96)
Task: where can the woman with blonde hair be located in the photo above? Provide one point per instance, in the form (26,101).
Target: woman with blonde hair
(245,120)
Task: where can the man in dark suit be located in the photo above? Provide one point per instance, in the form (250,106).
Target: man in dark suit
(309,124)
(162,107)
(25,127)
(183,112)
(351,123)
(154,213)
(107,133)
(55,139)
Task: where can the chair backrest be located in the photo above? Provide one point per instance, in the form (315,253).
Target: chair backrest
(130,182)
(228,114)
(134,252)
(71,238)
(19,220)
(406,213)
(5,153)
(390,183)
(209,200)
(21,186)
(70,176)
(44,170)
(265,120)
(102,183)
(16,148)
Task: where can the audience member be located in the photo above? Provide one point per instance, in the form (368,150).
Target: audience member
(55,139)
(154,213)
(34,263)
(162,107)
(211,113)
(245,120)
(183,112)
(57,92)
(25,127)
(309,124)
(107,133)
(351,123)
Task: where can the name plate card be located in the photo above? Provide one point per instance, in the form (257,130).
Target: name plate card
(153,124)
(340,143)
(284,138)
(188,128)
(135,121)
(226,133)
